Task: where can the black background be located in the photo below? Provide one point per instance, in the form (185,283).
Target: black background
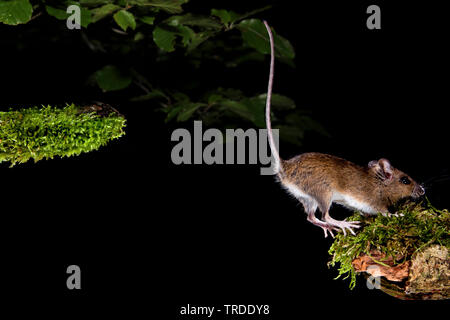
(151,236)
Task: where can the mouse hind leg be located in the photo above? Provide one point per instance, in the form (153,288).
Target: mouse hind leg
(310,205)
(324,207)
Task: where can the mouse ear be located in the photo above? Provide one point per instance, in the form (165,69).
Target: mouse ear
(387,168)
(372,163)
(382,168)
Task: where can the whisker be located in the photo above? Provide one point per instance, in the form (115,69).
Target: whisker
(443,176)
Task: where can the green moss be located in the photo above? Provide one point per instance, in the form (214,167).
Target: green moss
(45,132)
(419,226)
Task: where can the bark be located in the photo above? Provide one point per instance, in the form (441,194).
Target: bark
(424,276)
(100,108)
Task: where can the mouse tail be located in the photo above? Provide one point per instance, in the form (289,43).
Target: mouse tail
(277,166)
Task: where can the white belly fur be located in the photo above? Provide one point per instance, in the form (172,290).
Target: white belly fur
(295,191)
(309,203)
(340,198)
(352,203)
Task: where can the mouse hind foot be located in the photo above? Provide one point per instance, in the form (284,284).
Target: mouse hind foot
(326,227)
(343,225)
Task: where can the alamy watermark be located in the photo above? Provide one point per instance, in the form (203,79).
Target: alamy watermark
(374,280)
(74,20)
(74,278)
(236,146)
(374,20)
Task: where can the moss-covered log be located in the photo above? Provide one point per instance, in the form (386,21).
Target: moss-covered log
(45,132)
(410,252)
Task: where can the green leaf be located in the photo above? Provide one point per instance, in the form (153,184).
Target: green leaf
(188,110)
(138,36)
(279,101)
(214,97)
(147,19)
(85,17)
(198,38)
(170,6)
(252,108)
(103,11)
(110,78)
(172,113)
(283,46)
(125,19)
(256,108)
(57,13)
(255,35)
(14,12)
(238,108)
(178,25)
(164,39)
(225,16)
(187,34)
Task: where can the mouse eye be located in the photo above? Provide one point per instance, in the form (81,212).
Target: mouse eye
(405,180)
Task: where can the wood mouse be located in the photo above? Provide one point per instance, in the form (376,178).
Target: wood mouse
(317,180)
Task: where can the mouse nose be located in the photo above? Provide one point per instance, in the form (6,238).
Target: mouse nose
(420,190)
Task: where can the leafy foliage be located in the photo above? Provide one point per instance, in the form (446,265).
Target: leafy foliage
(255,35)
(44,132)
(168,35)
(417,226)
(15,12)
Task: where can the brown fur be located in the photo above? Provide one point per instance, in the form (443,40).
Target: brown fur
(319,175)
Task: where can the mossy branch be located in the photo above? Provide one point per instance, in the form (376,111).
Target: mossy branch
(397,237)
(45,132)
